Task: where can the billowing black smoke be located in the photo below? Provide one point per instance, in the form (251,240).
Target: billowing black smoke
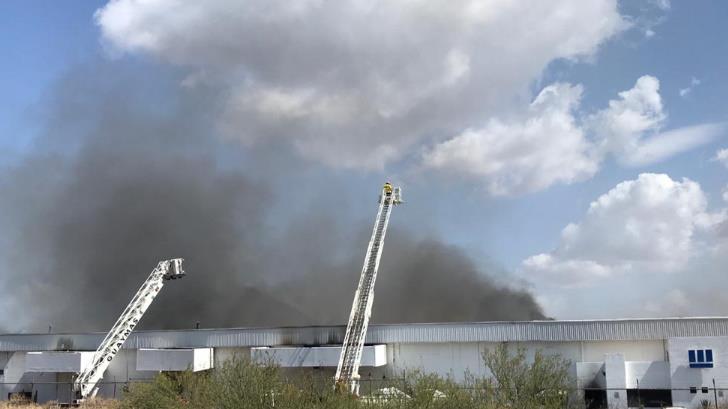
(129,171)
(420,280)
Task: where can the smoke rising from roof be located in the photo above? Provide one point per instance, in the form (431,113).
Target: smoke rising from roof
(127,173)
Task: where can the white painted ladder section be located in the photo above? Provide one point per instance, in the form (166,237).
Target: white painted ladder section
(347,371)
(85,383)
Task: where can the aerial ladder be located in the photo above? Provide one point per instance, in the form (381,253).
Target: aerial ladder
(347,371)
(84,385)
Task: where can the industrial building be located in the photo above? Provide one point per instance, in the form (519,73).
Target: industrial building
(670,361)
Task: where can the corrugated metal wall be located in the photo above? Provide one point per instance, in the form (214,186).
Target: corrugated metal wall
(595,330)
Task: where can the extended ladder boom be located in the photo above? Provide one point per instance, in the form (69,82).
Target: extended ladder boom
(85,383)
(347,372)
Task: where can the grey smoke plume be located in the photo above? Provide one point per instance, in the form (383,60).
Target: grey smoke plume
(429,281)
(420,280)
(128,171)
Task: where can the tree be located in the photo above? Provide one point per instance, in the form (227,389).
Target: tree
(518,383)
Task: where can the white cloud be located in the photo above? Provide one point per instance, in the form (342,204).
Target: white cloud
(571,273)
(551,144)
(646,225)
(722,156)
(630,127)
(666,144)
(662,4)
(364,84)
(359,84)
(526,154)
(638,110)
(685,91)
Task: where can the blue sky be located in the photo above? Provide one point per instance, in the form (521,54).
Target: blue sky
(40,41)
(419,133)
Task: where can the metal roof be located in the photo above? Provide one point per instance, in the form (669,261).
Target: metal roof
(550,331)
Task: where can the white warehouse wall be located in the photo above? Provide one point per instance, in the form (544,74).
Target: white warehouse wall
(632,350)
(455,359)
(647,375)
(684,377)
(643,360)
(16,379)
(57,361)
(325,356)
(182,359)
(122,369)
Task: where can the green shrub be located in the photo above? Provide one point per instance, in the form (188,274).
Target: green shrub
(163,393)
(242,384)
(542,383)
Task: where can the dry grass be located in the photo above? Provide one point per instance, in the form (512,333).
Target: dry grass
(90,404)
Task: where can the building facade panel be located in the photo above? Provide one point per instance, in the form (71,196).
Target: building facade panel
(315,357)
(691,381)
(635,359)
(558,331)
(180,359)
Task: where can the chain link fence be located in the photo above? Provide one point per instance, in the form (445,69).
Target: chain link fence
(393,389)
(42,391)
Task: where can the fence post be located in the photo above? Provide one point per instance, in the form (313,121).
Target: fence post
(639,398)
(715,394)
